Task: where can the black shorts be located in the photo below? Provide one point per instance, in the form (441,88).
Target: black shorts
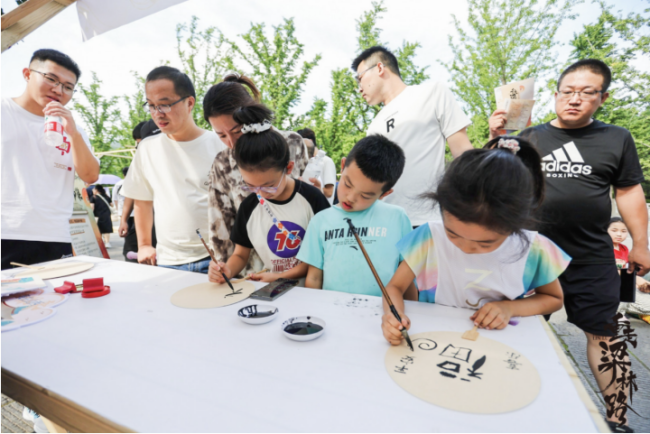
(591,296)
(32,252)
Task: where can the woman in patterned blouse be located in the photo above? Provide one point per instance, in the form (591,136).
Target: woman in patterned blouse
(226,193)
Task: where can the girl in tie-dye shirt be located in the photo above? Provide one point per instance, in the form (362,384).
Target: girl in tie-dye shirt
(482,255)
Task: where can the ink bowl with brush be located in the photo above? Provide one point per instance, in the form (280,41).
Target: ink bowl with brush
(303,328)
(258,313)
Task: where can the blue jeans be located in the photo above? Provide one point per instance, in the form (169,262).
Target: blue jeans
(200,266)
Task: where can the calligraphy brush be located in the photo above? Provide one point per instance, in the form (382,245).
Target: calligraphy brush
(379,282)
(215,261)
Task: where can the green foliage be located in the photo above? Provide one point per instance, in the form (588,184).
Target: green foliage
(135,113)
(204,59)
(343,121)
(618,41)
(509,40)
(503,41)
(275,67)
(99,114)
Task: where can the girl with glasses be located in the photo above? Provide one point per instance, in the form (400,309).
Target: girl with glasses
(274,217)
(226,192)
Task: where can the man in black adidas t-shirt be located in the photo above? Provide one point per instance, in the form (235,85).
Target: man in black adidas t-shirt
(582,159)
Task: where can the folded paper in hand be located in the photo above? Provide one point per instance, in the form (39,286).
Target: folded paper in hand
(516,99)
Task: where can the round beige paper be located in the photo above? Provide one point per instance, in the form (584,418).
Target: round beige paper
(54,271)
(482,376)
(208,295)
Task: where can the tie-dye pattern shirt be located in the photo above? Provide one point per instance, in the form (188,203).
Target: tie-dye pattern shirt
(447,275)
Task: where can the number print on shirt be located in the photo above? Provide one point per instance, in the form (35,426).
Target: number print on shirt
(281,243)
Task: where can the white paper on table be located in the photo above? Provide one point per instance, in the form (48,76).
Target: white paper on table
(21,284)
(100,16)
(524,89)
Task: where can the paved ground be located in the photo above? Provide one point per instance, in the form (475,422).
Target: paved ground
(574,343)
(570,337)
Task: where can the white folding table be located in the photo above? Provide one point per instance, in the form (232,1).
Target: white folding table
(133,361)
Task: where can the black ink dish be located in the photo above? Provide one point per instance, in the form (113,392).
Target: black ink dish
(303,328)
(257,313)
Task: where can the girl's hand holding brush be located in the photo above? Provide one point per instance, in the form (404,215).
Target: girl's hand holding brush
(393,329)
(214,272)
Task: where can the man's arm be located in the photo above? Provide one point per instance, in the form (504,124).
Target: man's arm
(84,161)
(328,190)
(459,143)
(631,204)
(124,220)
(143,226)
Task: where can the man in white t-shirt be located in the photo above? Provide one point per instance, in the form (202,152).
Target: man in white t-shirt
(38,179)
(419,119)
(169,175)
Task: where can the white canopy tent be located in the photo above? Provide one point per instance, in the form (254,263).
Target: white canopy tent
(95,16)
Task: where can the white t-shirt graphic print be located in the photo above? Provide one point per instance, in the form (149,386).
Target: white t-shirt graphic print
(37,179)
(419,120)
(254,227)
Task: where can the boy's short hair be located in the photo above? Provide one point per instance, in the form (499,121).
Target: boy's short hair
(137,131)
(182,84)
(149,129)
(378,54)
(125,170)
(57,57)
(308,133)
(379,160)
(594,65)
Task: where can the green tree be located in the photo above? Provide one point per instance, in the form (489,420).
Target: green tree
(134,114)
(618,41)
(343,121)
(275,66)
(508,40)
(99,115)
(204,58)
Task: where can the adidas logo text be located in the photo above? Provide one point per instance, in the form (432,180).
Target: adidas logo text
(565,162)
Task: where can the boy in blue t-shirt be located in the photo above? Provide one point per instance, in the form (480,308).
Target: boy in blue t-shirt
(335,261)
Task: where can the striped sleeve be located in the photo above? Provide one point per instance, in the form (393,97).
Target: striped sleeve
(546,261)
(418,250)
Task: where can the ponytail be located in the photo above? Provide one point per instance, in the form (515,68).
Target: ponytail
(528,155)
(496,187)
(226,97)
(259,149)
(234,77)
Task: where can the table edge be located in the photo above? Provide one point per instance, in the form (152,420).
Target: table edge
(62,411)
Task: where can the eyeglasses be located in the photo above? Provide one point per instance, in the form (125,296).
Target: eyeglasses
(269,190)
(586,95)
(162,108)
(54,82)
(359,76)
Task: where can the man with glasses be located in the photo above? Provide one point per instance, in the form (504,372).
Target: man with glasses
(419,119)
(38,179)
(583,158)
(169,175)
